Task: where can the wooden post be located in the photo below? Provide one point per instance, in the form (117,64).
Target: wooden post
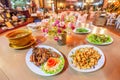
(56,6)
(105,3)
(43,3)
(43,6)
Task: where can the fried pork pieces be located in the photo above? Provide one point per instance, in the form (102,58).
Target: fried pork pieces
(41,55)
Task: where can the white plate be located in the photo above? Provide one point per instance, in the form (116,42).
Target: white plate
(35,68)
(101,61)
(34,26)
(107,43)
(89,30)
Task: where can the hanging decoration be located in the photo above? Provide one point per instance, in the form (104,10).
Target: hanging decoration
(114,6)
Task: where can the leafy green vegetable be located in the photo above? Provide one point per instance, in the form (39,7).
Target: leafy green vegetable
(99,38)
(81,30)
(58,69)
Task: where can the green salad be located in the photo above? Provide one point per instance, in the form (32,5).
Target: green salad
(84,30)
(55,69)
(99,38)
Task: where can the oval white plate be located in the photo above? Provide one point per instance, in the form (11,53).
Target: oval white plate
(106,43)
(35,68)
(101,61)
(89,30)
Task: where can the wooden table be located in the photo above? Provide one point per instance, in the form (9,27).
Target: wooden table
(12,62)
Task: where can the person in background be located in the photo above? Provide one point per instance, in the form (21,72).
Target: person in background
(91,14)
(33,6)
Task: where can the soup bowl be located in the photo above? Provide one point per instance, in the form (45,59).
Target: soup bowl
(20,37)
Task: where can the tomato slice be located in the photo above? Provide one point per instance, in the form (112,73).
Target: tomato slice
(51,62)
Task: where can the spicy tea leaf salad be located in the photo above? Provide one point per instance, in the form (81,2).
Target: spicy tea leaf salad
(99,38)
(53,65)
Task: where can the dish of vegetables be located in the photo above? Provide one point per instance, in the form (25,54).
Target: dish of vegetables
(99,39)
(45,60)
(82,30)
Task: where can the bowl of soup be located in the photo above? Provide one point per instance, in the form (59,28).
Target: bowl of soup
(20,37)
